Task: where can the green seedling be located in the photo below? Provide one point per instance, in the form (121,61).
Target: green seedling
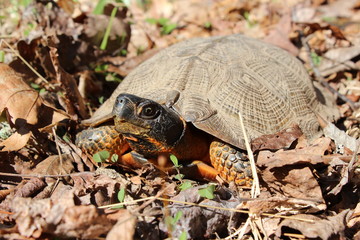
(99,8)
(108,29)
(315,58)
(2,56)
(175,161)
(171,221)
(101,156)
(114,158)
(37,87)
(166,27)
(249,22)
(185,185)
(207,192)
(208,26)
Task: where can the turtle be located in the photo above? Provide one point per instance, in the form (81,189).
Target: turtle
(186,100)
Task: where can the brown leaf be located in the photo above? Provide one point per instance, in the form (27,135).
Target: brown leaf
(339,59)
(27,116)
(73,99)
(125,66)
(60,218)
(124,228)
(279,35)
(30,188)
(282,205)
(282,139)
(321,228)
(290,182)
(96,189)
(312,154)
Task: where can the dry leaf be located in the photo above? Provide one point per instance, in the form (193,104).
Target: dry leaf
(282,139)
(124,228)
(279,35)
(28,115)
(59,218)
(321,228)
(74,101)
(339,59)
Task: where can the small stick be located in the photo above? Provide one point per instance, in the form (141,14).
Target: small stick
(255,188)
(202,205)
(26,63)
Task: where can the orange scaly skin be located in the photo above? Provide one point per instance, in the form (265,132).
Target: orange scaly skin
(222,156)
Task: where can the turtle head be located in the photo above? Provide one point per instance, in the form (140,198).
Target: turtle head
(149,127)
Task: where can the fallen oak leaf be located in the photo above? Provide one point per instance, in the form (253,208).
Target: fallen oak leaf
(325,228)
(282,139)
(312,154)
(25,109)
(74,101)
(59,217)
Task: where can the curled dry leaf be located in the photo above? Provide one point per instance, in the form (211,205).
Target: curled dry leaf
(74,101)
(287,171)
(25,109)
(283,205)
(61,218)
(339,59)
(282,139)
(324,228)
(279,35)
(124,227)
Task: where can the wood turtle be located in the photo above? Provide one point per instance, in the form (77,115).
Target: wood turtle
(186,101)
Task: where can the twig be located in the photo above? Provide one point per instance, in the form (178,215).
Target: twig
(322,80)
(26,63)
(255,188)
(43,176)
(203,206)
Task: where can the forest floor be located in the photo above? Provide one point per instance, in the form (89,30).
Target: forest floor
(60,60)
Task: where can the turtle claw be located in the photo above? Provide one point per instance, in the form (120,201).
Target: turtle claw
(138,158)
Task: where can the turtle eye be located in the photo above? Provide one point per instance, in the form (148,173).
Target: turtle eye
(149,111)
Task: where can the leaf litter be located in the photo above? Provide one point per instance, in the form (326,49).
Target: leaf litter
(49,188)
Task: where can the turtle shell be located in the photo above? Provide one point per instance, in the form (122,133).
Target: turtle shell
(209,81)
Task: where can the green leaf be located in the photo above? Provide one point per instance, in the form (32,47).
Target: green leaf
(179,176)
(99,8)
(101,99)
(101,156)
(121,196)
(316,58)
(108,29)
(174,160)
(168,221)
(35,86)
(2,56)
(207,25)
(177,217)
(162,21)
(101,68)
(207,192)
(183,236)
(185,185)
(151,21)
(168,28)
(114,158)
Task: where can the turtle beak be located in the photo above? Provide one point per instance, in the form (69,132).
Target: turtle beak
(124,107)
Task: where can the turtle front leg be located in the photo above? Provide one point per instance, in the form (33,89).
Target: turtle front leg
(233,165)
(104,138)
